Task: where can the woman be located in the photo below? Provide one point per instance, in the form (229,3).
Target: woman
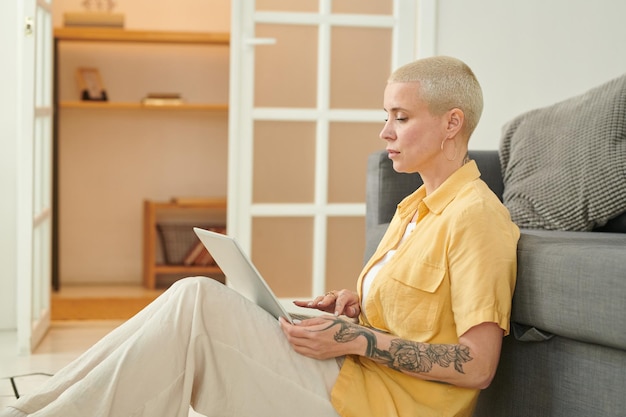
(432,304)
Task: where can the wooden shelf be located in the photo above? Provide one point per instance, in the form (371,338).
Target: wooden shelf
(108,105)
(183,269)
(187,203)
(141,36)
(151,209)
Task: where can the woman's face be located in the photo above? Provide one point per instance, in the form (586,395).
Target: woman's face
(412,133)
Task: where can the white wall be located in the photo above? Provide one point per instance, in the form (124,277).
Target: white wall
(531,53)
(9,122)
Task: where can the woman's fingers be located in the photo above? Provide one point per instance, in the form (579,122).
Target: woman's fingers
(336,302)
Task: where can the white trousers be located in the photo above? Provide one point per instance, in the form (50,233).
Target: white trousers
(199,344)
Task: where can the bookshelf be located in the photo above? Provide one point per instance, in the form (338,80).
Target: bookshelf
(152,210)
(200,112)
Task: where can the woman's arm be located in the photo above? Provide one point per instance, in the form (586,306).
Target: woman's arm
(471,363)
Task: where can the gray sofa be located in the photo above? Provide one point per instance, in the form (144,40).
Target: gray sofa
(566,355)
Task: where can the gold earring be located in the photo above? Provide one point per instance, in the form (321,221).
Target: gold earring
(456,151)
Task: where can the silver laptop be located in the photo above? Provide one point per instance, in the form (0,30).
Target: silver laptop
(241,274)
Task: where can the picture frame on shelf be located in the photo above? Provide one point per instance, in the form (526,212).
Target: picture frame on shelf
(90,84)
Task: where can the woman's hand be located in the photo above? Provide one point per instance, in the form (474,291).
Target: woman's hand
(344,302)
(324,337)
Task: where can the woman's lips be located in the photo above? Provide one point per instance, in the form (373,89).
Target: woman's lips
(391,153)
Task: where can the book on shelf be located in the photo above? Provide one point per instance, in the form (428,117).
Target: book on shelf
(198,255)
(193,254)
(162,99)
(204,259)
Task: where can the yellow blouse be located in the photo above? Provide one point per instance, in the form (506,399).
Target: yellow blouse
(456,270)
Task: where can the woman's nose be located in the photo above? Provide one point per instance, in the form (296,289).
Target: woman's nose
(386,133)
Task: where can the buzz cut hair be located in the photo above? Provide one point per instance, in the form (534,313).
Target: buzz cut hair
(445,83)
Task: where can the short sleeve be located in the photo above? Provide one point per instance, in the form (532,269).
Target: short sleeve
(482,262)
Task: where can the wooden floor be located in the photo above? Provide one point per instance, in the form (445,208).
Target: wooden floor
(115,302)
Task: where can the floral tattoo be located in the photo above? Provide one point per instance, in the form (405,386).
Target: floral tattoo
(405,355)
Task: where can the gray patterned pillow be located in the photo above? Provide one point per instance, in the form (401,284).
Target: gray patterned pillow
(564,166)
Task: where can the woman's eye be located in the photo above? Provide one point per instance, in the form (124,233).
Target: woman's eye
(401,119)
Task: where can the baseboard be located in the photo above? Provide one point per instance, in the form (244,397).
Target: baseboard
(100,302)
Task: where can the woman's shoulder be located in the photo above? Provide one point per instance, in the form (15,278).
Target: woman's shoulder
(476,204)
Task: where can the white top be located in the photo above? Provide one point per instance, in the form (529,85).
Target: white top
(371,274)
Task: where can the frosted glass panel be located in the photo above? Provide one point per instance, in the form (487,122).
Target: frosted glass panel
(284,159)
(282,250)
(42,71)
(363,6)
(349,146)
(286,73)
(41,269)
(38,165)
(42,152)
(287,5)
(346,245)
(360,66)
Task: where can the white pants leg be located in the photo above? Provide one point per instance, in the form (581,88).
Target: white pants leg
(199,343)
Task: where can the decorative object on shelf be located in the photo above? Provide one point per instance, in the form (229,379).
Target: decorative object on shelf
(90,85)
(162,99)
(108,5)
(99,14)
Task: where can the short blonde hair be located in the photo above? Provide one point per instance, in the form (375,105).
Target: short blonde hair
(445,83)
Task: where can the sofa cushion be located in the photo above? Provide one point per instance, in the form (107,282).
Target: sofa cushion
(572,284)
(564,166)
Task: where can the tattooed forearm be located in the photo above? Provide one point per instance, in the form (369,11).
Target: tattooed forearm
(405,355)
(416,357)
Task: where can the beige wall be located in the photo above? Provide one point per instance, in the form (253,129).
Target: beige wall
(111,160)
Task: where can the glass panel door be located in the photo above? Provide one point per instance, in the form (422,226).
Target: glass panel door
(306,109)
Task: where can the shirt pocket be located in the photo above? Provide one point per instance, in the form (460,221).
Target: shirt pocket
(415,289)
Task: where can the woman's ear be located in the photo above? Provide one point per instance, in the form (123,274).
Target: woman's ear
(456,118)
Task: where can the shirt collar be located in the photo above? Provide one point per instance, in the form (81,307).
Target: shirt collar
(438,200)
